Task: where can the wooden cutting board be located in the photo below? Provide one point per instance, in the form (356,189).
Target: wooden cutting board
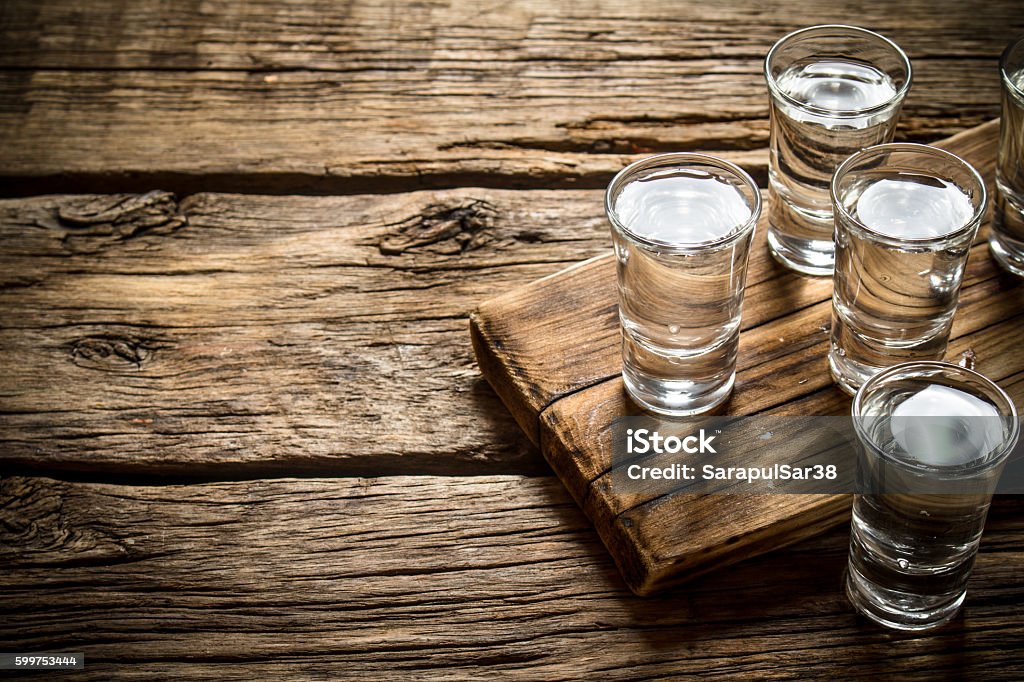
(551,350)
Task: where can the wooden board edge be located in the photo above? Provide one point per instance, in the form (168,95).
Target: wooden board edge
(555,450)
(973,136)
(501,375)
(834,510)
(646,575)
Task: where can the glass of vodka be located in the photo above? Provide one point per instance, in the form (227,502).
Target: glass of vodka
(682,225)
(1006,240)
(905,218)
(833,91)
(932,441)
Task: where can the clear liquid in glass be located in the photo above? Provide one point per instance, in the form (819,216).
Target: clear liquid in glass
(680,309)
(893,302)
(1007,236)
(811,136)
(915,536)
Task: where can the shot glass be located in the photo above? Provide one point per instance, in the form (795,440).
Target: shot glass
(905,218)
(932,441)
(681,226)
(833,91)
(1006,239)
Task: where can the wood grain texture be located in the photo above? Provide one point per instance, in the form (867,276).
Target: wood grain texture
(245,336)
(438,578)
(229,337)
(361,96)
(552,351)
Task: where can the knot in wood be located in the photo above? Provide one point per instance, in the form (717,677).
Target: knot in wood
(89,223)
(35,529)
(446,229)
(111,352)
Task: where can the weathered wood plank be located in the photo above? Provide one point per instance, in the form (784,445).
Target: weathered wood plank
(368,96)
(241,336)
(439,577)
(297,34)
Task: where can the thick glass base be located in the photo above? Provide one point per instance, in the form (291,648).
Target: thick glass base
(808,256)
(673,397)
(900,610)
(1006,236)
(1008,252)
(848,374)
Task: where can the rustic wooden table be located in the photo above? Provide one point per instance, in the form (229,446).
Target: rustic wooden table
(239,415)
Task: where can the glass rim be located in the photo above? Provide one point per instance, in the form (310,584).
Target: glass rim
(683,160)
(895,100)
(878,149)
(919,366)
(1004,67)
